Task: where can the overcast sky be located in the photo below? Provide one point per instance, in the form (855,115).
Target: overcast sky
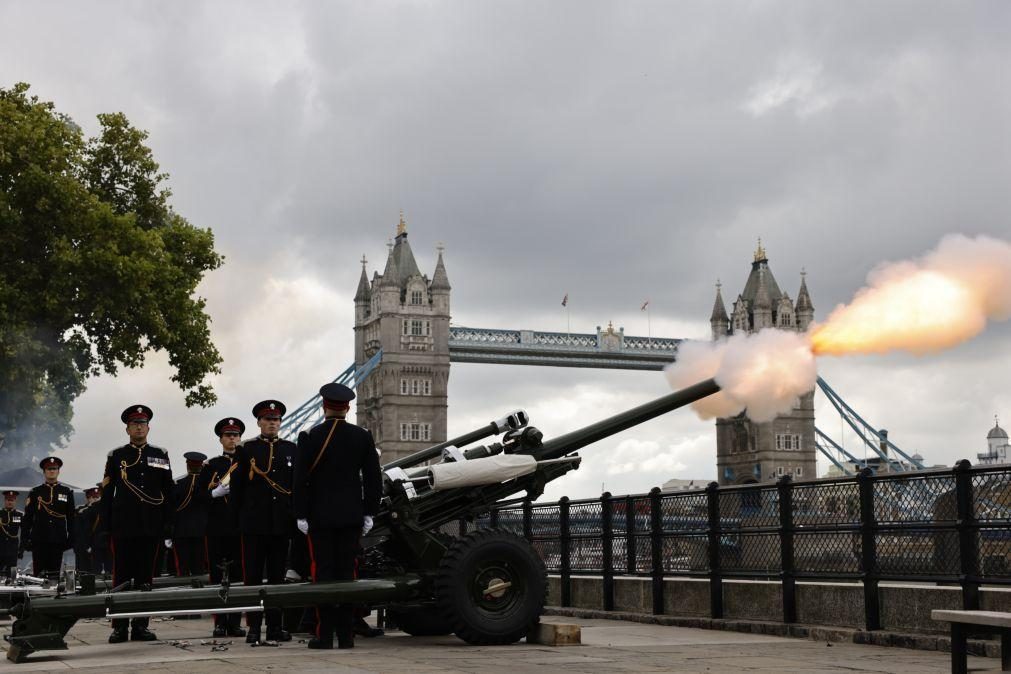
(614,151)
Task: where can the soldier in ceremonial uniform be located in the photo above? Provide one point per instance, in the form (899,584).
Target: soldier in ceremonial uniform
(10,533)
(136,510)
(224,547)
(101,558)
(192,499)
(85,522)
(336,493)
(261,499)
(48,524)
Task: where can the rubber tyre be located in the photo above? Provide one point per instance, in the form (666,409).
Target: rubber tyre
(420,621)
(472,564)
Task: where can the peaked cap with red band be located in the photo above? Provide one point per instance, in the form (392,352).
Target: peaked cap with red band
(91,491)
(51,462)
(136,413)
(271,409)
(229,425)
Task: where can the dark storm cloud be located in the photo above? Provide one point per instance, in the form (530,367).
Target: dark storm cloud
(617,152)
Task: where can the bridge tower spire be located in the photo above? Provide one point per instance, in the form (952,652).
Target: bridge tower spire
(719,321)
(402,312)
(761,452)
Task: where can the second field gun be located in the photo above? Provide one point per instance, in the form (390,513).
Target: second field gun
(488,587)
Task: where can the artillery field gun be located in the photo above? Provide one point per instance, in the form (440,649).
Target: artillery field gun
(488,587)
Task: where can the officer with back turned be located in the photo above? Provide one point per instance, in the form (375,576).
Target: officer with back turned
(48,524)
(336,492)
(10,533)
(261,500)
(136,510)
(192,499)
(85,522)
(224,549)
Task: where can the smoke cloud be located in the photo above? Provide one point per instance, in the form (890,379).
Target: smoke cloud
(925,305)
(921,306)
(765,373)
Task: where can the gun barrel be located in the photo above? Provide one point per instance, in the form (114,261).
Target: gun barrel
(517,419)
(570,442)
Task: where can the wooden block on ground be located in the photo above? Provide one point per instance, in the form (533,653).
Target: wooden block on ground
(555,634)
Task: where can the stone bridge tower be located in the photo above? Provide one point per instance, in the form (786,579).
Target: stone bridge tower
(402,312)
(747,451)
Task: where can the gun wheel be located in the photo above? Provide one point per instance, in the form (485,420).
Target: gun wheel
(491,587)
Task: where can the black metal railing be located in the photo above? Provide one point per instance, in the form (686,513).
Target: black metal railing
(946,526)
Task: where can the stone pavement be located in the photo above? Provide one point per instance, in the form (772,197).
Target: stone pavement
(608,646)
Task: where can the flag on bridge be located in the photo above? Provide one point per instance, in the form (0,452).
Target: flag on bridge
(565,300)
(644,305)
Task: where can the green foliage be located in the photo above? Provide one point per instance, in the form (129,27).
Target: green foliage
(96,269)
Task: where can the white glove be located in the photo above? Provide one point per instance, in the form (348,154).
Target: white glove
(366,524)
(221,490)
(168,542)
(303,526)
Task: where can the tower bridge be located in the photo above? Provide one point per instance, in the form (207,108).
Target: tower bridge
(606,348)
(404,344)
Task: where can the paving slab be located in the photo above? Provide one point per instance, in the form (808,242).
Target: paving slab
(608,646)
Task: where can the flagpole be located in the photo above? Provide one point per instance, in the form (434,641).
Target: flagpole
(649,324)
(568,320)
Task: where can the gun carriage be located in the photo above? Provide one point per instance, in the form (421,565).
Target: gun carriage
(488,587)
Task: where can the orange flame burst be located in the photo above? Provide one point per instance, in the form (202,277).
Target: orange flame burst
(917,310)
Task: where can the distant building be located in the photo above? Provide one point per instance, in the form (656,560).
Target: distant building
(746,451)
(876,464)
(677,485)
(997,446)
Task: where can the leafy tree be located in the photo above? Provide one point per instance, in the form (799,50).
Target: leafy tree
(96,269)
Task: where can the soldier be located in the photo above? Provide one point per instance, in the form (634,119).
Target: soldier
(261,500)
(224,549)
(48,524)
(136,510)
(101,559)
(10,533)
(192,500)
(84,535)
(337,491)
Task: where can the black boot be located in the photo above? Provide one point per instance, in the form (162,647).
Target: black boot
(142,634)
(219,631)
(277,634)
(320,643)
(234,625)
(253,635)
(363,629)
(119,635)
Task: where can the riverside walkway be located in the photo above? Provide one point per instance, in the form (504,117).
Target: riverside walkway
(608,646)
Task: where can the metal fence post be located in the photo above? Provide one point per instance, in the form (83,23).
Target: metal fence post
(785,489)
(566,563)
(493,518)
(868,550)
(462,527)
(630,560)
(528,527)
(607,548)
(656,547)
(968,544)
(715,577)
